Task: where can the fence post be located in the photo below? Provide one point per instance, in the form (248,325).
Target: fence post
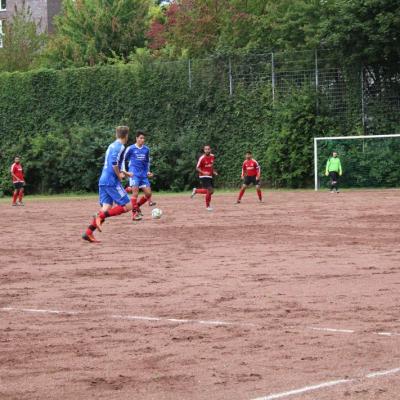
(316,78)
(363,116)
(273,77)
(230,78)
(190,73)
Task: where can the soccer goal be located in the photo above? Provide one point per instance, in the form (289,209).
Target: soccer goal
(367,161)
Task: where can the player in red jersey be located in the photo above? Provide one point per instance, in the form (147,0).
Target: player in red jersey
(205,168)
(17,174)
(251,174)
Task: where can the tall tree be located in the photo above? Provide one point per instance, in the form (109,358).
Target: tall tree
(88,32)
(22,42)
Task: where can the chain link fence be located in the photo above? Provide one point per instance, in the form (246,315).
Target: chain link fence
(371,98)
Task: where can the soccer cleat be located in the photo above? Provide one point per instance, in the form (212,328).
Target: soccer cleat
(20,203)
(97,222)
(193,193)
(237,201)
(136,216)
(14,204)
(90,238)
(209,208)
(139,212)
(152,203)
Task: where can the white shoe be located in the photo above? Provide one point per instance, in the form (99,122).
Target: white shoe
(209,209)
(193,193)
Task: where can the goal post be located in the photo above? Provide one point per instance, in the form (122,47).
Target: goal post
(339,141)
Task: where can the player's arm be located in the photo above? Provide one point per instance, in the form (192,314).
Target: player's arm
(340,168)
(124,171)
(327,167)
(243,170)
(199,166)
(115,162)
(149,173)
(258,168)
(14,177)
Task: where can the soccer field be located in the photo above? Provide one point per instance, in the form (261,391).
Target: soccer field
(295,298)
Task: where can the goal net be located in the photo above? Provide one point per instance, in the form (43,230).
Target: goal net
(367,161)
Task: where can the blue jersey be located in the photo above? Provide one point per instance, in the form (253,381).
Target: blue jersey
(138,159)
(114,156)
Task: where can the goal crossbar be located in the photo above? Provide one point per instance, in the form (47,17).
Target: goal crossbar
(317,139)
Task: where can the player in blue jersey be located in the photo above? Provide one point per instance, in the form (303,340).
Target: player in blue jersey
(137,157)
(111,191)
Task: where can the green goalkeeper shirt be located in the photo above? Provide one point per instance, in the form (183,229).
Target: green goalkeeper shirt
(334,165)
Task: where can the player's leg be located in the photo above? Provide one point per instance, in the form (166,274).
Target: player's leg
(15,197)
(259,192)
(147,193)
(135,184)
(122,204)
(208,198)
(106,202)
(241,193)
(21,196)
(333,176)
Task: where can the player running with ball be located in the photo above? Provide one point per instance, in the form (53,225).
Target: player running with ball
(251,174)
(205,168)
(138,158)
(111,191)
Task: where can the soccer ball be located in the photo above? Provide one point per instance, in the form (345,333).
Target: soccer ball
(156,213)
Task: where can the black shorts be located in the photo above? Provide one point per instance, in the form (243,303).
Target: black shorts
(207,183)
(19,185)
(251,180)
(334,176)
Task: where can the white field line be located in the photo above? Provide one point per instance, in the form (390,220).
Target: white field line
(39,311)
(334,330)
(177,320)
(129,317)
(331,330)
(327,384)
(303,390)
(183,321)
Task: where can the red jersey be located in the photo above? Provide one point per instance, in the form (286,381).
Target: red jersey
(206,165)
(17,173)
(251,168)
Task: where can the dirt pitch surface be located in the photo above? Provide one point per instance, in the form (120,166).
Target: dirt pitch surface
(295,298)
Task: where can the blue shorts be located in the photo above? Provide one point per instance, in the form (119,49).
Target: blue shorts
(140,182)
(113,194)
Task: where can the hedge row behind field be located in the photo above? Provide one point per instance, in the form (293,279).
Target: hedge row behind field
(61,122)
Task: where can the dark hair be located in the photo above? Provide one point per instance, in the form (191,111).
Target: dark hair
(207,145)
(140,132)
(248,152)
(122,131)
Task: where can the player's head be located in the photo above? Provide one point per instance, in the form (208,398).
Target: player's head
(334,154)
(122,133)
(17,159)
(207,149)
(140,137)
(249,155)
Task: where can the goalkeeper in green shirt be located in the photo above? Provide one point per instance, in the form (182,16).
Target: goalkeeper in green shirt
(334,170)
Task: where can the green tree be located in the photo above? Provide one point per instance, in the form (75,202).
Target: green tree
(363,32)
(89,32)
(22,42)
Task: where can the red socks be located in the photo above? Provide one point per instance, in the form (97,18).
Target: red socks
(134,203)
(21,195)
(241,193)
(117,210)
(208,199)
(259,194)
(201,191)
(143,200)
(15,196)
